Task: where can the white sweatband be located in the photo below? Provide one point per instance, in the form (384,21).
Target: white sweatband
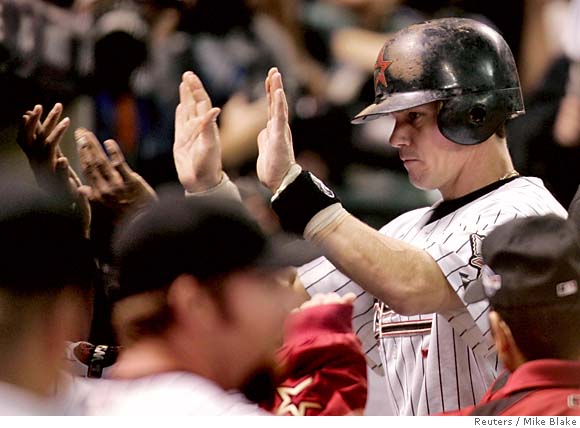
(225,189)
(324,218)
(290,176)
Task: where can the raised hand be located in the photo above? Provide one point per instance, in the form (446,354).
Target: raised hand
(197,147)
(112,183)
(39,140)
(276,154)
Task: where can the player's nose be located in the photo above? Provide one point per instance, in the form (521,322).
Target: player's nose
(400,136)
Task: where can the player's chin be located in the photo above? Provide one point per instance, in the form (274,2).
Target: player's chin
(420,182)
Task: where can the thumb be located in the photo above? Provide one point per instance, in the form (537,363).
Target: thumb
(209,121)
(61,170)
(87,192)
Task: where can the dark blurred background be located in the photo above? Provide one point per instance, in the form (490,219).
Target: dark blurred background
(116,66)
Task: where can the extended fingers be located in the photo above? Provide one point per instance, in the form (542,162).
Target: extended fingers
(196,94)
(30,122)
(53,139)
(51,120)
(94,162)
(118,160)
(280,112)
(268,86)
(196,87)
(274,86)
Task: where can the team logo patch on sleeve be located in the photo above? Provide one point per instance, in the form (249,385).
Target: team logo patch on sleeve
(292,403)
(476,260)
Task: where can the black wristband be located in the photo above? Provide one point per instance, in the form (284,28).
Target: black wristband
(301,200)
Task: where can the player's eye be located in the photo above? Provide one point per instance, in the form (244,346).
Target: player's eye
(413,116)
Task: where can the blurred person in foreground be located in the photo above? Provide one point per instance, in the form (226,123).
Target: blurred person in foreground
(46,273)
(202,301)
(530,278)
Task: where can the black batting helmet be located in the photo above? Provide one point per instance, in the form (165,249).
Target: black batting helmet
(462,62)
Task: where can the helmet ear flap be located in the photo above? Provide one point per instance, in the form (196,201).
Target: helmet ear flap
(471,118)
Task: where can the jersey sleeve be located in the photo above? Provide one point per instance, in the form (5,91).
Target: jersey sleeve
(325,365)
(321,276)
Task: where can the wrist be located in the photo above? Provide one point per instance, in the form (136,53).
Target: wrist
(299,202)
(293,172)
(199,185)
(225,189)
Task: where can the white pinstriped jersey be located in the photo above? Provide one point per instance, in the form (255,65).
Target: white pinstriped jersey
(436,362)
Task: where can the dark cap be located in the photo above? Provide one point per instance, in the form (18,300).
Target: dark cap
(203,237)
(529,261)
(42,247)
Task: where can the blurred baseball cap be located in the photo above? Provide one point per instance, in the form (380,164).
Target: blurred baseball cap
(204,237)
(43,247)
(529,261)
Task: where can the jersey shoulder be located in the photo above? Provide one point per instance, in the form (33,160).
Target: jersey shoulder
(522,196)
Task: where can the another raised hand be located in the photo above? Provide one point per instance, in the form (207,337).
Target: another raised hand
(40,142)
(197,146)
(111,181)
(276,153)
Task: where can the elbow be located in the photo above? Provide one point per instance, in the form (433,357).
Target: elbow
(410,301)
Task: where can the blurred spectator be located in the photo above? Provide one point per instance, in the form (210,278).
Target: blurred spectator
(567,126)
(200,319)
(551,116)
(46,273)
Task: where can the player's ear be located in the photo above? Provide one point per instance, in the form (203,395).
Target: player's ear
(190,302)
(507,348)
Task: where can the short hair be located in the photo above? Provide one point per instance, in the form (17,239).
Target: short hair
(546,331)
(148,314)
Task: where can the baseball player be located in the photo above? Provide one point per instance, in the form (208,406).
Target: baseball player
(46,275)
(199,319)
(447,88)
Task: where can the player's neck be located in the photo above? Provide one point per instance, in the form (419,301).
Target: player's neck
(144,358)
(489,164)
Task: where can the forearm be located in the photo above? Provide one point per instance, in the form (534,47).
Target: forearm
(399,274)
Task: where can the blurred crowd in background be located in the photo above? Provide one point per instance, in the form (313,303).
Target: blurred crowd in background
(116,65)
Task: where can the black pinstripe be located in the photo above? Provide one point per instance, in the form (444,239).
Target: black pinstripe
(439,363)
(389,378)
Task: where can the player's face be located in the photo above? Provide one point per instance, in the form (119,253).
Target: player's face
(432,161)
(257,306)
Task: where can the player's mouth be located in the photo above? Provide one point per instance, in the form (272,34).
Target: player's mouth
(409,160)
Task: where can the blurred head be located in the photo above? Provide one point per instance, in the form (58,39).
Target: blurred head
(531,279)
(46,273)
(201,272)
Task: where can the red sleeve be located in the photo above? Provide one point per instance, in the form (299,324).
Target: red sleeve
(325,366)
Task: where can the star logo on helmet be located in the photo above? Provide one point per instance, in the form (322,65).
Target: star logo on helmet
(380,68)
